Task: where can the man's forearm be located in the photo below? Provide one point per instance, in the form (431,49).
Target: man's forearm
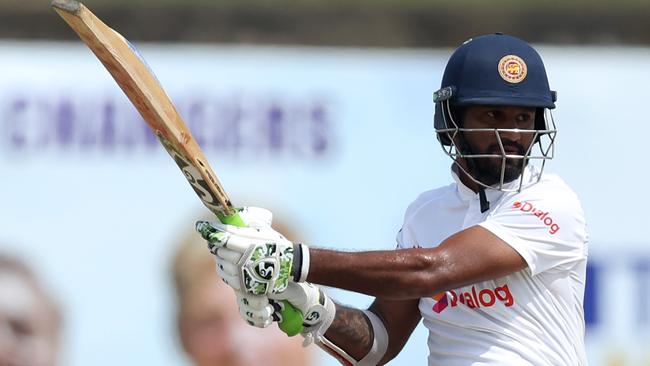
(395,274)
(469,256)
(350,331)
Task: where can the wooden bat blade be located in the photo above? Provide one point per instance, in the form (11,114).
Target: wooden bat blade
(139,83)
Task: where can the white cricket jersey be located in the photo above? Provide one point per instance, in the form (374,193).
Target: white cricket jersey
(531,317)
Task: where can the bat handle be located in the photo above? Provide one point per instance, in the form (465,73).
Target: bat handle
(291,318)
(291,322)
(231,219)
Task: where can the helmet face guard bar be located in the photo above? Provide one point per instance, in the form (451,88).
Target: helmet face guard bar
(541,149)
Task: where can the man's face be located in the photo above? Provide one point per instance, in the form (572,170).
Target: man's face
(488,170)
(28,328)
(214,334)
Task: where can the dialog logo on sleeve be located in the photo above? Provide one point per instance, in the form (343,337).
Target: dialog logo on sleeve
(543,216)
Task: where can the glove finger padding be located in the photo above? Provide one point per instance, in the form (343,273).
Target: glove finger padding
(238,239)
(256,216)
(227,267)
(253,301)
(241,243)
(225,236)
(232,281)
(260,318)
(255,310)
(228,255)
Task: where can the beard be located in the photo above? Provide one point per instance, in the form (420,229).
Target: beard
(488,170)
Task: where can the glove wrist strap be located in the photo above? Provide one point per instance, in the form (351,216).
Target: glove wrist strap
(300,267)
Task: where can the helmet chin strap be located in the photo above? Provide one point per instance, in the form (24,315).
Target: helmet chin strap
(485,204)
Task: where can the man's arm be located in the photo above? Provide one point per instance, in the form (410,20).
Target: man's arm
(351,329)
(469,256)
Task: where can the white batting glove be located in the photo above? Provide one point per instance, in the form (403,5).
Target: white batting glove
(317,308)
(255,259)
(255,310)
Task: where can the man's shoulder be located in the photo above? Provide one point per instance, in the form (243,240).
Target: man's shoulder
(551,188)
(432,196)
(550,193)
(433,206)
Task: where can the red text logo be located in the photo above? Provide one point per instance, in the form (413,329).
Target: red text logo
(474,298)
(543,216)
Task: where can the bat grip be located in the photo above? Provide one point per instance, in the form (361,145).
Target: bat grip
(233,219)
(291,322)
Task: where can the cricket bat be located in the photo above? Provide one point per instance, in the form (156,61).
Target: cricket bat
(141,86)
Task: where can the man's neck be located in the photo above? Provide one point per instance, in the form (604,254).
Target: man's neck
(464,178)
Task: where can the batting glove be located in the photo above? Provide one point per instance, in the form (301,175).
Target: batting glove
(256,310)
(255,259)
(317,309)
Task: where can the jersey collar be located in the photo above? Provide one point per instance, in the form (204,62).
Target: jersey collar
(530,177)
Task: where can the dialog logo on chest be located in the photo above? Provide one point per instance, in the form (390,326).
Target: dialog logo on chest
(474,298)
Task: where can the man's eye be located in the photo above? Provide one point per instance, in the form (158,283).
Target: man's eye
(491,114)
(523,117)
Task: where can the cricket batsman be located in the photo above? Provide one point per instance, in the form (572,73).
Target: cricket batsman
(494,263)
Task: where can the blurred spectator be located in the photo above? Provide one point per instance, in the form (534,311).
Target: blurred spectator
(210,329)
(30,320)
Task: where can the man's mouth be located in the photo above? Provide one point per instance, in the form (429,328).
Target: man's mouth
(513,151)
(509,149)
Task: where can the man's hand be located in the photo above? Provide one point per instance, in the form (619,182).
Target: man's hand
(319,311)
(255,259)
(317,308)
(256,310)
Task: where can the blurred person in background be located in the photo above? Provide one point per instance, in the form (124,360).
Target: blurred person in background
(30,320)
(210,329)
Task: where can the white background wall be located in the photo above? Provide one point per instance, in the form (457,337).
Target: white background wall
(97,209)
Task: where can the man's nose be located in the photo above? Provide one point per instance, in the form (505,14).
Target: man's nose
(510,134)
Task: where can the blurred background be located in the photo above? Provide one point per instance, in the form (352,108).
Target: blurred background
(319,110)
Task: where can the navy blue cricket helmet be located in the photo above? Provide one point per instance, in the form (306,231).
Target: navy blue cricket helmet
(496,70)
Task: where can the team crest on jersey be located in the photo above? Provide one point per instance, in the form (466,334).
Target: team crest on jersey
(513,69)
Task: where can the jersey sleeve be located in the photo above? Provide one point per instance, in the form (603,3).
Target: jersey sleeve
(547,228)
(405,238)
(399,239)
